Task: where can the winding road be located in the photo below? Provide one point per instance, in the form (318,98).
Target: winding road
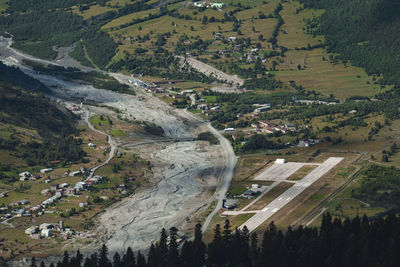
(110,141)
(226,174)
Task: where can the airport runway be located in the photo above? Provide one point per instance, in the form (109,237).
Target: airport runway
(278,172)
(290,194)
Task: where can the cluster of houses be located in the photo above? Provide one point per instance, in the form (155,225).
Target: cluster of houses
(207,4)
(25,176)
(247,53)
(47,229)
(315,102)
(269,127)
(55,193)
(252,56)
(155,89)
(208,110)
(65,189)
(17,212)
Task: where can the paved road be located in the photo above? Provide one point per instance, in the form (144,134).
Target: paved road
(110,141)
(227,172)
(290,194)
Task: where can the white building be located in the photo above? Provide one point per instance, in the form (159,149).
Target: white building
(280,161)
(46,170)
(75,173)
(44,226)
(25,174)
(32,230)
(199,4)
(46,232)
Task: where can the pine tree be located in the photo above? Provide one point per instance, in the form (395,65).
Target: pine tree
(243,245)
(87,263)
(199,248)
(77,260)
(254,251)
(215,249)
(65,261)
(117,260)
(141,261)
(103,257)
(162,249)
(227,230)
(33,262)
(152,260)
(128,260)
(94,259)
(187,254)
(173,254)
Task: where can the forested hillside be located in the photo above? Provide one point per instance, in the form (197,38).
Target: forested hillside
(366,32)
(39,27)
(33,128)
(357,242)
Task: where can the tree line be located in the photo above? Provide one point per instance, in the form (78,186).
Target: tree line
(348,242)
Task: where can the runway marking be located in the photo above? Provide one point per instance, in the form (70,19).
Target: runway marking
(291,193)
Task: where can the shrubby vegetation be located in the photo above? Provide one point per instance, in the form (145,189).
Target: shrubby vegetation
(258,141)
(380,187)
(208,136)
(79,54)
(356,242)
(153,129)
(159,63)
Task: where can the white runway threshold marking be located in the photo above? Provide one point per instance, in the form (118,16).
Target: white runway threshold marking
(290,194)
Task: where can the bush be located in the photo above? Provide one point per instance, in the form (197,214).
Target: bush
(208,136)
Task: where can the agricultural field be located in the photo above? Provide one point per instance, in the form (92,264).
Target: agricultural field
(3,5)
(305,62)
(92,11)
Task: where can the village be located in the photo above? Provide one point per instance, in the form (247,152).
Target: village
(198,102)
(55,192)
